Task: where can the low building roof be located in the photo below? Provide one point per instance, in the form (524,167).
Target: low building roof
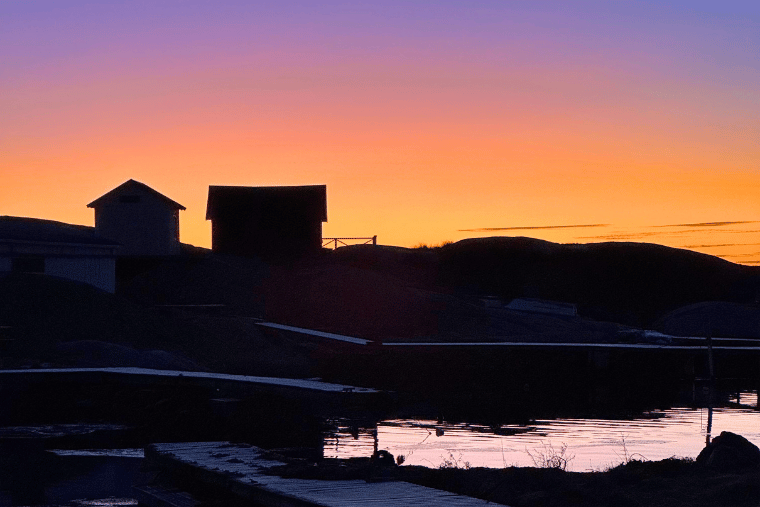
(25,229)
(313,197)
(131,186)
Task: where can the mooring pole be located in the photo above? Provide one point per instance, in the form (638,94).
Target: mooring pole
(710,387)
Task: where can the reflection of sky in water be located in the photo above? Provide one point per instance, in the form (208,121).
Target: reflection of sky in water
(594,443)
(106,502)
(56,430)
(112,453)
(744,398)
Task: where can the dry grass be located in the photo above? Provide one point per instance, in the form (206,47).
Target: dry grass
(548,456)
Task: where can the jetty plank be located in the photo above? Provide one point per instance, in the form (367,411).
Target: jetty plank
(158,496)
(578,345)
(505,341)
(200,376)
(240,468)
(318,334)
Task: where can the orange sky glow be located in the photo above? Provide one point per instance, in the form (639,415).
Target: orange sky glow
(427,122)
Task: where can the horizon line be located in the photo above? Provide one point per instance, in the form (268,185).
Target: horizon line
(526,228)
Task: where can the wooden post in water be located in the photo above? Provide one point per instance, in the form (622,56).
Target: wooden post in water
(710,387)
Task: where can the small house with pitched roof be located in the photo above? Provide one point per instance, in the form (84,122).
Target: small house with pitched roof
(144,221)
(267,222)
(73,252)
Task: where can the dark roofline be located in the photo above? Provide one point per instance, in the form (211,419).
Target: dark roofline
(37,230)
(217,193)
(140,185)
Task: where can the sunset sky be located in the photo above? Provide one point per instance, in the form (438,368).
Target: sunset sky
(427,120)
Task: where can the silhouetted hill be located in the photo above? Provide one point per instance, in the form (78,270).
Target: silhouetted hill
(63,323)
(631,283)
(375,292)
(396,302)
(385,293)
(73,324)
(714,318)
(197,277)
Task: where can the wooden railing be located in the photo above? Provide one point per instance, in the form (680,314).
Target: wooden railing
(335,242)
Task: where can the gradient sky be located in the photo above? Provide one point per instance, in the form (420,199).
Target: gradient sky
(428,120)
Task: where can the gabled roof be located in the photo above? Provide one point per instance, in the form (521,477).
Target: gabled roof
(131,186)
(312,197)
(24,229)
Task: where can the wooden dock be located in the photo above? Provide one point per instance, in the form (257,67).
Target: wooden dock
(159,496)
(315,334)
(651,341)
(198,377)
(239,469)
(570,345)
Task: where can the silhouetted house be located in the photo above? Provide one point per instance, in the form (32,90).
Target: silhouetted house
(268,222)
(74,252)
(145,222)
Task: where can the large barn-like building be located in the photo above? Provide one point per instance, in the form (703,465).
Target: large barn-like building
(267,222)
(73,252)
(143,221)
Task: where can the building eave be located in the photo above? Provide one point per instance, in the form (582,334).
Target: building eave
(140,185)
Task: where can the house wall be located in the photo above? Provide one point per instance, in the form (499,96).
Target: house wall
(146,227)
(268,238)
(99,272)
(91,264)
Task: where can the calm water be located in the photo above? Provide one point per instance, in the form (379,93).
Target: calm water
(593,444)
(89,478)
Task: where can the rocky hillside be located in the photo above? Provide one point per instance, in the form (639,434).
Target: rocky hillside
(375,292)
(629,283)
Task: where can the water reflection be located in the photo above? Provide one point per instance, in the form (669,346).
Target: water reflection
(29,475)
(106,502)
(595,444)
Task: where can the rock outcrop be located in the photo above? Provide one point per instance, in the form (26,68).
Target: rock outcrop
(730,452)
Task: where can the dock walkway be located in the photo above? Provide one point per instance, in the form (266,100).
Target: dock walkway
(651,340)
(315,334)
(238,468)
(190,376)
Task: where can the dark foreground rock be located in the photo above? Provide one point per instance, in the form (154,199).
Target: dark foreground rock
(730,452)
(669,483)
